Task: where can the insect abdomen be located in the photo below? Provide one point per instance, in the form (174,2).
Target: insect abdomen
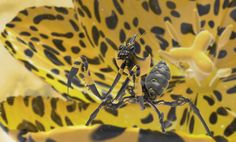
(157,80)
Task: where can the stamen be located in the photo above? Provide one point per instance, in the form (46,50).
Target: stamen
(197,22)
(219,74)
(195,56)
(225,36)
(172,32)
(195,60)
(223,39)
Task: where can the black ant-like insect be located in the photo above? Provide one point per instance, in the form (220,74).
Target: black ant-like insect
(148,86)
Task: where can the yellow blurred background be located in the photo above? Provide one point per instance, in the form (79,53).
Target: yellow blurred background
(14,78)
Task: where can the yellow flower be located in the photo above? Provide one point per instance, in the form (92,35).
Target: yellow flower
(196,38)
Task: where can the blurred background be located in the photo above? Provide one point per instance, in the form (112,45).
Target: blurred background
(14,78)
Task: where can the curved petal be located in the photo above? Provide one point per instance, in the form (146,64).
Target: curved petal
(40,114)
(120,19)
(48,49)
(228,52)
(215,104)
(113,134)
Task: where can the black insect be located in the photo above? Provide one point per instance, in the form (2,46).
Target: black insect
(148,85)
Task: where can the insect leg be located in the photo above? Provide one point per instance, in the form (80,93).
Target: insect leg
(123,101)
(160,115)
(182,100)
(82,65)
(94,114)
(121,70)
(74,70)
(138,88)
(197,112)
(125,84)
(105,102)
(88,79)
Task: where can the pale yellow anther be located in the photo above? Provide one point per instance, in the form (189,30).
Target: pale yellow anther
(180,54)
(202,41)
(203,62)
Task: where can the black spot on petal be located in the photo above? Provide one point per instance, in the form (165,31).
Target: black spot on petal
(105,132)
(95,34)
(53,58)
(175,13)
(118,7)
(50,140)
(28,53)
(112,21)
(171,5)
(62,10)
(231,90)
(158,30)
(203,9)
(222,111)
(145,6)
(155,7)
(217,7)
(209,100)
(172,114)
(184,116)
(147,119)
(220,139)
(222,54)
(218,95)
(213,118)
(153,136)
(38,106)
(230,129)
(75,49)
(56,118)
(186,28)
(74,25)
(191,124)
(59,44)
(39,18)
(96,10)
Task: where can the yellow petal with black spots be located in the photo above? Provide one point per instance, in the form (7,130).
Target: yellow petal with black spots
(48,39)
(62,118)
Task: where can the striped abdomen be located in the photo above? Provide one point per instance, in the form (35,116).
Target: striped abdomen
(157,80)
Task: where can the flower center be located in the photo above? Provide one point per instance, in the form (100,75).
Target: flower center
(195,61)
